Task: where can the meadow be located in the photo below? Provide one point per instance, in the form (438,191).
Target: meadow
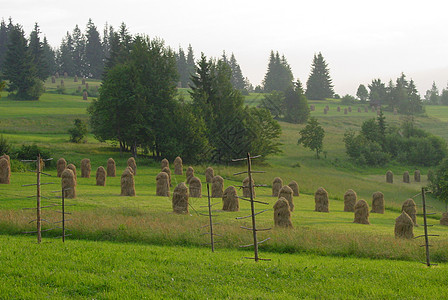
(133,236)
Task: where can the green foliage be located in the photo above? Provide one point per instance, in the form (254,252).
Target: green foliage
(439,182)
(79,132)
(30,152)
(279,76)
(93,52)
(36,49)
(5,146)
(319,84)
(348,99)
(362,93)
(312,136)
(274,103)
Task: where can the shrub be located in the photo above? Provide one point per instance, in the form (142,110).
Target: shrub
(78,132)
(30,152)
(5,146)
(348,99)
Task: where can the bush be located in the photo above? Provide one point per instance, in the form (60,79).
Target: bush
(348,99)
(5,146)
(78,132)
(30,152)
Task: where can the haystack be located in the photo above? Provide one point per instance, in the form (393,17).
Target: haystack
(294,187)
(345,111)
(339,109)
(5,171)
(246,189)
(209,174)
(165,163)
(410,208)
(404,227)
(389,177)
(361,212)
(178,166)
(282,213)
(75,79)
(321,200)
(53,79)
(217,186)
(111,169)
(195,187)
(61,165)
(73,168)
(189,174)
(83,81)
(444,219)
(406,177)
(230,200)
(359,109)
(277,184)
(101,176)
(127,183)
(168,172)
(350,198)
(84,95)
(132,165)
(286,192)
(163,184)
(378,206)
(85,168)
(417,175)
(349,109)
(325,111)
(68,181)
(6,156)
(180,199)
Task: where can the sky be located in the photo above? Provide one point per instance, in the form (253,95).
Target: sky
(360,40)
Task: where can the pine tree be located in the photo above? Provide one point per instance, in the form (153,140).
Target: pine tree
(191,65)
(362,93)
(79,51)
(93,52)
(377,94)
(237,79)
(295,105)
(182,69)
(36,49)
(65,56)
(49,56)
(279,76)
(319,85)
(3,42)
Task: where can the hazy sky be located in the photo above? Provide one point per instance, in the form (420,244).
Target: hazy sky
(360,40)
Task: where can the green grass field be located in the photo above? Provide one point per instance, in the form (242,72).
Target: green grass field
(140,240)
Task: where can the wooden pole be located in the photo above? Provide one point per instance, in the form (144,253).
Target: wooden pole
(38,208)
(63,215)
(254,230)
(428,263)
(210,218)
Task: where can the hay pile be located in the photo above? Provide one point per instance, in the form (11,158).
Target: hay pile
(444,219)
(404,227)
(294,187)
(132,165)
(61,165)
(111,169)
(246,188)
(85,168)
(178,166)
(209,174)
(339,109)
(410,208)
(101,176)
(359,109)
(277,184)
(378,206)
(312,107)
(165,163)
(68,181)
(127,183)
(286,192)
(195,187)
(345,111)
(5,171)
(417,176)
(406,177)
(230,201)
(325,111)
(217,186)
(73,168)
(84,95)
(349,109)
(163,184)
(168,172)
(389,177)
(350,198)
(189,174)
(321,200)
(361,212)
(53,79)
(282,213)
(180,199)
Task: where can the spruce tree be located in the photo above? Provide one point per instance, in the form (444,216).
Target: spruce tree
(279,75)
(93,52)
(182,68)
(362,93)
(49,56)
(79,51)
(319,84)
(3,42)
(191,65)
(295,105)
(65,56)
(237,79)
(36,49)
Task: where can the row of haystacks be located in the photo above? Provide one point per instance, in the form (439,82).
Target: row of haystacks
(406,176)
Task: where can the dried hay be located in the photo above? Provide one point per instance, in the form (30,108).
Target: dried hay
(378,205)
(345,111)
(61,165)
(349,109)
(75,79)
(404,227)
(294,187)
(84,95)
(178,166)
(246,188)
(209,174)
(361,212)
(5,171)
(65,74)
(127,183)
(87,85)
(53,79)
(73,168)
(359,109)
(111,169)
(282,213)
(195,187)
(163,184)
(168,172)
(217,186)
(165,163)
(339,109)
(389,177)
(350,198)
(286,192)
(410,208)
(230,200)
(85,168)
(180,199)
(189,174)
(417,175)
(325,111)
(132,165)
(277,185)
(83,82)
(406,177)
(101,176)
(321,200)
(68,181)
(444,219)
